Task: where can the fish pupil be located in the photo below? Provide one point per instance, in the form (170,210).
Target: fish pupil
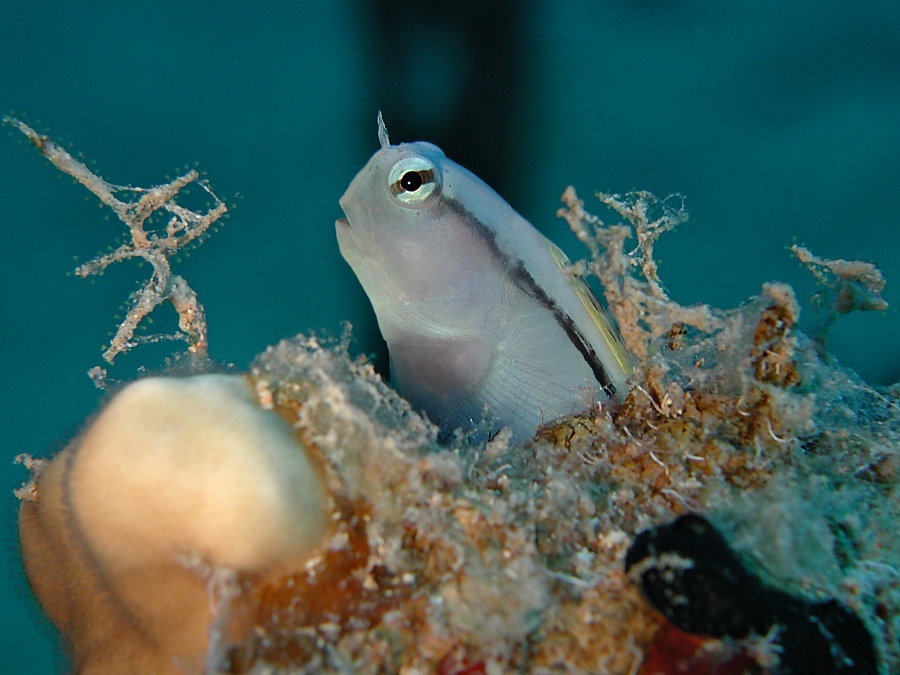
(411,181)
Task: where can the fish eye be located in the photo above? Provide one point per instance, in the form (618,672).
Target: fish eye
(411,181)
(414,181)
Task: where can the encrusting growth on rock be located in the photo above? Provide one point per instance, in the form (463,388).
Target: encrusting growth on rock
(638,302)
(847,285)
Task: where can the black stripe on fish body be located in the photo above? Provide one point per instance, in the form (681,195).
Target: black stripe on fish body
(525,282)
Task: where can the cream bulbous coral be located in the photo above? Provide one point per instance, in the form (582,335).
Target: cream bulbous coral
(144,534)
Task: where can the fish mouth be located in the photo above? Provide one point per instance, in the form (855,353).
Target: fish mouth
(343,222)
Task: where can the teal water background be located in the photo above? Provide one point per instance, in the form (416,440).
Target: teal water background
(779,120)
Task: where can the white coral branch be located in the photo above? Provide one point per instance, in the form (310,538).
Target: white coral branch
(183,228)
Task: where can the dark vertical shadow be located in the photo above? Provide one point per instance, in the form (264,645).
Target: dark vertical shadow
(453,74)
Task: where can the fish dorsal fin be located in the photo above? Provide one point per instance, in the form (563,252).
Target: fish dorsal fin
(383,138)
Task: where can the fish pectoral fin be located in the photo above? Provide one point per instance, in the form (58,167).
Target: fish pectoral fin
(533,392)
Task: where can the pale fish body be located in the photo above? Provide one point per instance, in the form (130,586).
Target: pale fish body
(473,302)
